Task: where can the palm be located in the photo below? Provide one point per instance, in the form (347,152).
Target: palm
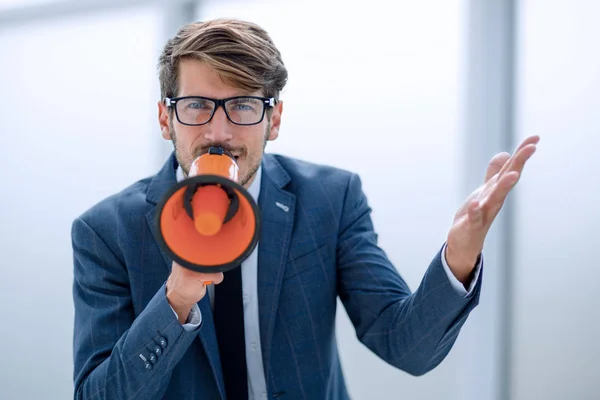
(474,218)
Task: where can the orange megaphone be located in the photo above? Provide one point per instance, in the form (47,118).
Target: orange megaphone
(208,222)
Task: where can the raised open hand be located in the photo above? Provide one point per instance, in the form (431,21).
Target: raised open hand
(474,218)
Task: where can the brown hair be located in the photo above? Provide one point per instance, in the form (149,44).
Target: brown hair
(241,52)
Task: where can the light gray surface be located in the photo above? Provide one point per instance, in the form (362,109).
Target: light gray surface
(74,112)
(488,130)
(556,326)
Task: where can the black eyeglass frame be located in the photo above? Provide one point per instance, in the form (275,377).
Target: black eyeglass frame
(267,102)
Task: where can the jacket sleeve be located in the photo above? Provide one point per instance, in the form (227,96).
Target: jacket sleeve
(118,356)
(411,331)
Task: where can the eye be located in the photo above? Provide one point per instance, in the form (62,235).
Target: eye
(198,105)
(242,107)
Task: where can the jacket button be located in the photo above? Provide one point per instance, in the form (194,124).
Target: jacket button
(162,341)
(148,366)
(157,350)
(152,358)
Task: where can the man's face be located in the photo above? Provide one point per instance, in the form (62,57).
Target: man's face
(247,143)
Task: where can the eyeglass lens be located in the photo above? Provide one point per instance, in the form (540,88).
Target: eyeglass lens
(244,110)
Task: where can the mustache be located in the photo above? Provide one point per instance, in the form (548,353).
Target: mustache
(238,151)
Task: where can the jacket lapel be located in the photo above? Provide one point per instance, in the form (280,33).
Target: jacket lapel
(159,185)
(277,220)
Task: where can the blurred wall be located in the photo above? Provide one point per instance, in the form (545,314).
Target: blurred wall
(557,221)
(78,121)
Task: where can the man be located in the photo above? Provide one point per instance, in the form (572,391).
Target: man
(146,328)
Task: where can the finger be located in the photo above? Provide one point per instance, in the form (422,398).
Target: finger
(496,164)
(218,278)
(493,201)
(210,279)
(203,277)
(529,140)
(521,158)
(517,161)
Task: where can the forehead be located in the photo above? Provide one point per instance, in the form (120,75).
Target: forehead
(199,79)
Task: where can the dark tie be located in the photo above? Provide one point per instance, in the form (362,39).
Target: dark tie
(229,324)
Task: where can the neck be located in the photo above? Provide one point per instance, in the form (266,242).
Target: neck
(247,184)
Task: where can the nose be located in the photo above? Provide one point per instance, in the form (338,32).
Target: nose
(218,129)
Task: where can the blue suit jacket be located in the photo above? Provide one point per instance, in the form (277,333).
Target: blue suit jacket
(129,345)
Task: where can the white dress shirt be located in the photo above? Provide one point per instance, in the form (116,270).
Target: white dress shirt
(257,388)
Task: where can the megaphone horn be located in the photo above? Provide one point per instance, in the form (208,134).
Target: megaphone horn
(208,222)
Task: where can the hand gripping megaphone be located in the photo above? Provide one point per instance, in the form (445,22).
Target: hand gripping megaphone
(208,222)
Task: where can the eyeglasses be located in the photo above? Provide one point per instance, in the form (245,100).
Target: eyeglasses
(240,110)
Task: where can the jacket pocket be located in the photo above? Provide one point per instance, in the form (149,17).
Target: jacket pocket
(307,258)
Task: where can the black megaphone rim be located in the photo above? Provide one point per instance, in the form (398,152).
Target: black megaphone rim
(207,179)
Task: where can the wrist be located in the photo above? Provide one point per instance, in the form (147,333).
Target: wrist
(182,311)
(460,263)
(181,308)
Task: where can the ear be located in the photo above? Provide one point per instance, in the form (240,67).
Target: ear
(163,120)
(275,121)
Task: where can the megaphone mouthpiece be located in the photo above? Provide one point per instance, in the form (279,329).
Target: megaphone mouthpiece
(215,161)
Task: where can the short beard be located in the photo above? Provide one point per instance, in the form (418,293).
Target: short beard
(185,169)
